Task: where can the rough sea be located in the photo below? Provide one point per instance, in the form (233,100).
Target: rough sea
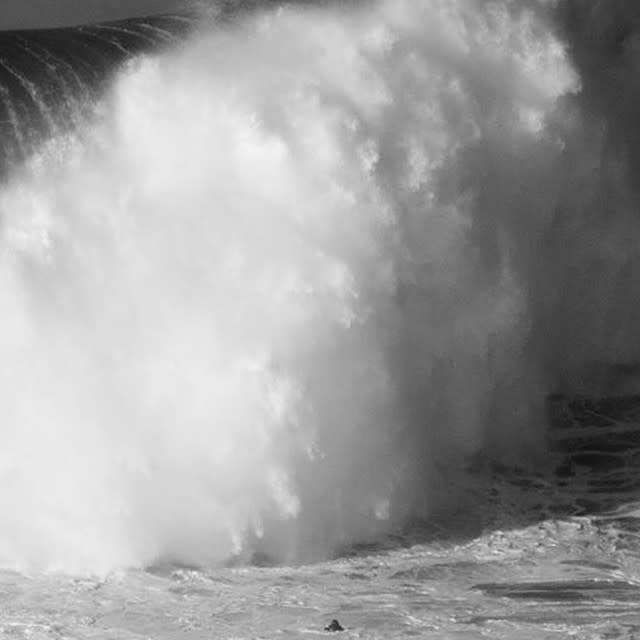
(316,311)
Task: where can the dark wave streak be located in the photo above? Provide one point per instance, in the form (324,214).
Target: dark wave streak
(50,78)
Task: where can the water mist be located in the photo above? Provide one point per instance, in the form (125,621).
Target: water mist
(286,278)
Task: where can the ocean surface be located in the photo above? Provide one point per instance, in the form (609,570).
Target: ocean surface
(317,311)
(559,575)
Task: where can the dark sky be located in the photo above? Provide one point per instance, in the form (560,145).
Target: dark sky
(45,13)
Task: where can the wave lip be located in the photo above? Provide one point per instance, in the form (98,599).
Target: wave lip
(50,78)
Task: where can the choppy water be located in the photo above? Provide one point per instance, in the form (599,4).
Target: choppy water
(557,577)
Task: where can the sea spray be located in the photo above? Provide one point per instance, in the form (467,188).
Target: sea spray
(270,297)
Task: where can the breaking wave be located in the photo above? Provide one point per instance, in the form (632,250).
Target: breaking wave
(283,279)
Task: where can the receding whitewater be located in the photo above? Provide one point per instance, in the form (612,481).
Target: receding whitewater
(519,571)
(284,294)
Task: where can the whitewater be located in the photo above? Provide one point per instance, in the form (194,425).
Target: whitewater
(295,301)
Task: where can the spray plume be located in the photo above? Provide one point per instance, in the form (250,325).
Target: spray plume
(295,272)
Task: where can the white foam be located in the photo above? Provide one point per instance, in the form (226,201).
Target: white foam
(246,307)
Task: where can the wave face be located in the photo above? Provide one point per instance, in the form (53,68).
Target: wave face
(277,284)
(51,79)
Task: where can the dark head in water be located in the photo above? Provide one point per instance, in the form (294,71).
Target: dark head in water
(334,625)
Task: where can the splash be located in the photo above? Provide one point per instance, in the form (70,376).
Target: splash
(274,292)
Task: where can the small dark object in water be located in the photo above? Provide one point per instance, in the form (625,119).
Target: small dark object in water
(334,626)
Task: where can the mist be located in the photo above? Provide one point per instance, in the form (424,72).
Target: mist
(298,274)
